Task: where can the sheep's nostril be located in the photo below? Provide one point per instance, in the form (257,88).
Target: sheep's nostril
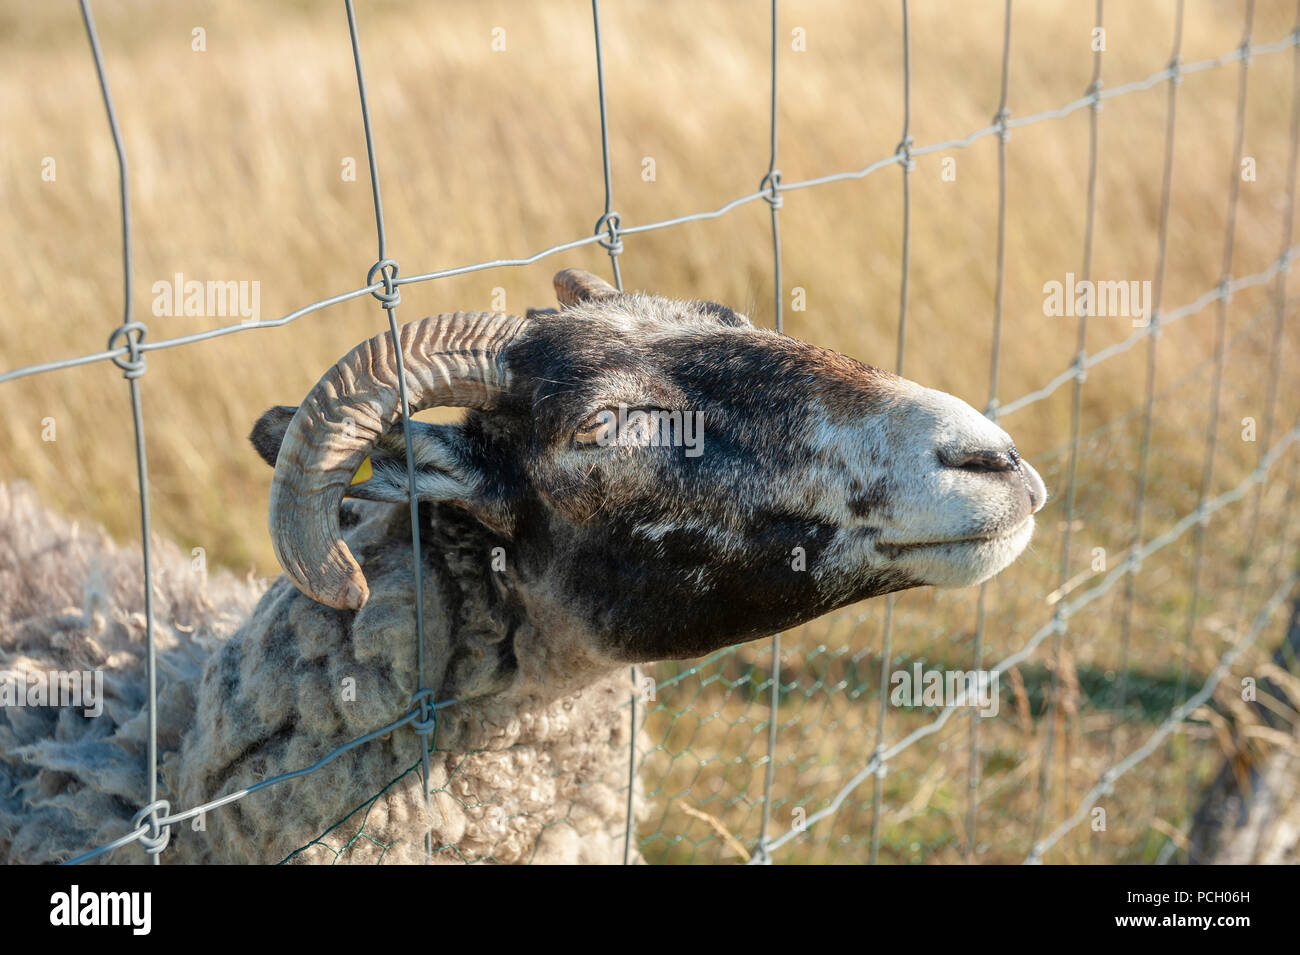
(983,461)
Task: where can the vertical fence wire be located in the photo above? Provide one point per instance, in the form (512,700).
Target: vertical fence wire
(1000,118)
(907,164)
(1293,484)
(771,184)
(390,297)
(133,368)
(1148,404)
(1276,344)
(1290,495)
(1076,414)
(613,244)
(886,640)
(610,221)
(1216,390)
(1270,401)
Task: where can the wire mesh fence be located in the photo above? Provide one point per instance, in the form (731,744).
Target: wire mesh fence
(763,752)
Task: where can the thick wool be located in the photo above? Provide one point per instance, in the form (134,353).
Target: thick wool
(72,600)
(523,770)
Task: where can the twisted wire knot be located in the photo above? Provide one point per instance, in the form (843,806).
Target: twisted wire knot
(390,296)
(156,839)
(904,149)
(1176,71)
(771,189)
(609,223)
(1245,52)
(132,363)
(1224,290)
(422,701)
(1000,123)
(1094,95)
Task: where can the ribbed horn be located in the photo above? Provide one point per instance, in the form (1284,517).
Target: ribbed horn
(574,286)
(450,360)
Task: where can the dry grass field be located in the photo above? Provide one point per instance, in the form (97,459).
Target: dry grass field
(236,158)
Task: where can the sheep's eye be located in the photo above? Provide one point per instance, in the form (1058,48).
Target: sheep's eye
(619,427)
(596,429)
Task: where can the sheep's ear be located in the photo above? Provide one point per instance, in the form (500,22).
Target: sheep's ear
(268,433)
(444,471)
(575,286)
(441,469)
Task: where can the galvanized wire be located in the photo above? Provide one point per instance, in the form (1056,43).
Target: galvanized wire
(907,164)
(127,348)
(1281,284)
(1144,447)
(772,182)
(607,224)
(1076,414)
(1220,336)
(973,772)
(1105,785)
(1275,349)
(1291,41)
(1220,292)
(389,297)
(1048,629)
(608,237)
(154,836)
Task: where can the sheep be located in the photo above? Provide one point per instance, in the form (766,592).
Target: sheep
(71,782)
(636,479)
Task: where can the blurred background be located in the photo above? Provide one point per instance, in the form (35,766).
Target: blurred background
(488,136)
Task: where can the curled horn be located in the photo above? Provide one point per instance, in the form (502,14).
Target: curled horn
(451,360)
(574,286)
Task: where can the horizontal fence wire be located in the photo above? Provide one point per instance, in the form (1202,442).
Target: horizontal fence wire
(1169,74)
(151,827)
(1053,626)
(1105,785)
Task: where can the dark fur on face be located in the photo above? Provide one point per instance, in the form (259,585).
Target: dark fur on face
(664,548)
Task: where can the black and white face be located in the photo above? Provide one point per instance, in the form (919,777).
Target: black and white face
(684,481)
(764,482)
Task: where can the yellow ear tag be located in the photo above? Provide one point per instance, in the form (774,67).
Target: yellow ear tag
(364,473)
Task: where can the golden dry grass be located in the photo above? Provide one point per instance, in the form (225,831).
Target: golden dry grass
(235,168)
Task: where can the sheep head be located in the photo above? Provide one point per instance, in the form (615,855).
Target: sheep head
(676,478)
